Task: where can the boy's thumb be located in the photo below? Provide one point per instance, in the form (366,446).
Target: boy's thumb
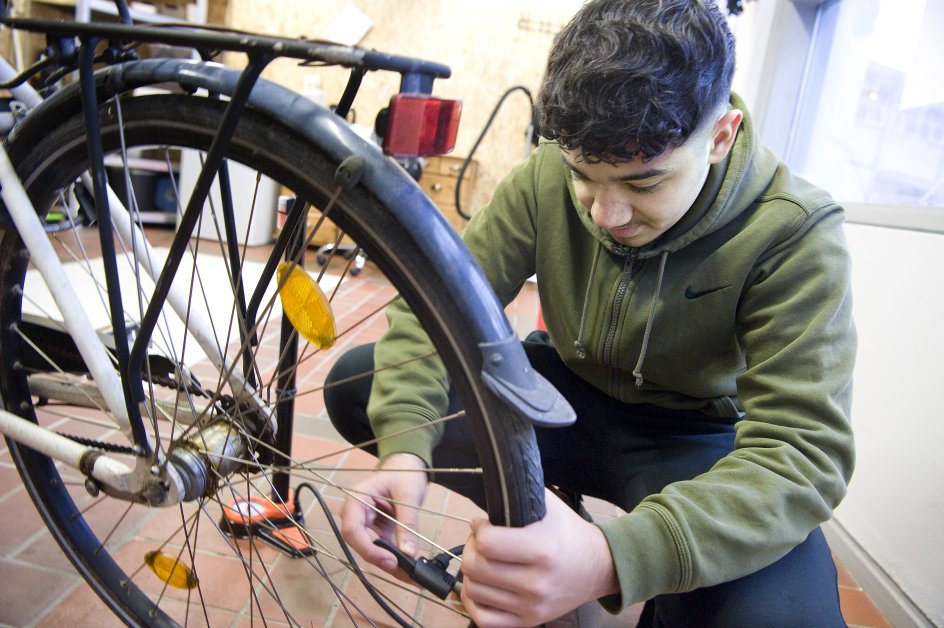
(406,540)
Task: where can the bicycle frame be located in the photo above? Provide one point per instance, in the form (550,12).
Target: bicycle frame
(505,367)
(124,395)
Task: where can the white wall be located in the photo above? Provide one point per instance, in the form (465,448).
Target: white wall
(889,531)
(895,507)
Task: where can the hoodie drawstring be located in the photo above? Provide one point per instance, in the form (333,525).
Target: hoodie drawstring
(579,344)
(637,370)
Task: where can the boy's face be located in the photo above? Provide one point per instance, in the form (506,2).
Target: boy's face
(636,202)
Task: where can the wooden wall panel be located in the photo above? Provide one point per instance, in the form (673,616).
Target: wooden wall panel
(490,45)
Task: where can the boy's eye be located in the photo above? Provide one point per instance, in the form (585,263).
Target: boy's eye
(645,189)
(638,189)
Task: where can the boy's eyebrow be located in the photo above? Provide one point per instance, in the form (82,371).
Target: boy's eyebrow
(638,176)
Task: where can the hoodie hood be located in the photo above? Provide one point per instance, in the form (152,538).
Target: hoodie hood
(732,185)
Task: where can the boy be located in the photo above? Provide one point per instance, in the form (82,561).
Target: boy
(696,296)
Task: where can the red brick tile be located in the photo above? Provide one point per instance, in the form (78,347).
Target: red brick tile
(27,591)
(81,608)
(9,481)
(111,519)
(453,532)
(195,615)
(845,578)
(463,507)
(400,596)
(445,614)
(43,551)
(859,610)
(318,451)
(19,521)
(301,590)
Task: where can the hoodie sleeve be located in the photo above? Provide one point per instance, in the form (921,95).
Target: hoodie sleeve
(793,452)
(501,238)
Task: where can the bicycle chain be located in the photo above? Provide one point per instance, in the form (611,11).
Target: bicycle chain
(175,384)
(227,404)
(97,444)
(168,382)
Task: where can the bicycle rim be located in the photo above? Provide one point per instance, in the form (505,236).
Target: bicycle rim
(111,541)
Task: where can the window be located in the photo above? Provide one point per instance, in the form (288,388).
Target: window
(870,125)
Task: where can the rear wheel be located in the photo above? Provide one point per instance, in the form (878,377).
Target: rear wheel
(128,551)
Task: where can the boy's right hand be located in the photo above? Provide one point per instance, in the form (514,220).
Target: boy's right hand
(397,488)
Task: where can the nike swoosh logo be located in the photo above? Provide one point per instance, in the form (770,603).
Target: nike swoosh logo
(691,293)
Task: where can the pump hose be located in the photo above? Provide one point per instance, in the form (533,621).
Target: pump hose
(491,118)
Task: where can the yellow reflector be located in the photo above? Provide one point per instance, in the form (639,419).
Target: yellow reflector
(306,306)
(171,570)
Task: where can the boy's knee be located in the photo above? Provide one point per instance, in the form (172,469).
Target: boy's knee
(347,391)
(800,589)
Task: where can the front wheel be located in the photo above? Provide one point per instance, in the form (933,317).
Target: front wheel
(205,561)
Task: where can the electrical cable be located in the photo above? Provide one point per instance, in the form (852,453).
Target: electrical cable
(350,557)
(468,159)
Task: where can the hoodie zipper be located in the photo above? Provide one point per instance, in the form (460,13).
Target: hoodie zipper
(625,278)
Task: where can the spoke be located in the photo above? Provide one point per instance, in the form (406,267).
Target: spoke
(94,398)
(53,410)
(366,374)
(356,496)
(265,582)
(353,328)
(192,552)
(236,284)
(322,549)
(84,260)
(188,388)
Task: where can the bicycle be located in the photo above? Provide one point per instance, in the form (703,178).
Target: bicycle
(181,367)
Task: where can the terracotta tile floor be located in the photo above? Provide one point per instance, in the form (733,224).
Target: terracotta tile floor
(39,588)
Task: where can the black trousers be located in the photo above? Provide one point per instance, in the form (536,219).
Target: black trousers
(622,453)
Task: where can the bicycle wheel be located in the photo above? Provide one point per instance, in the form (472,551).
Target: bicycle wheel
(205,561)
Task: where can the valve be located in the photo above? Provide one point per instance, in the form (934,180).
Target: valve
(429,573)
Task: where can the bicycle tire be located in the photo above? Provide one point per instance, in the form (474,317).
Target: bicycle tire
(48,151)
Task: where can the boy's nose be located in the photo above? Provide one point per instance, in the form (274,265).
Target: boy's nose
(610,209)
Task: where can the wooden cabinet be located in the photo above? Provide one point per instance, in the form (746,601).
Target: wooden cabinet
(440,178)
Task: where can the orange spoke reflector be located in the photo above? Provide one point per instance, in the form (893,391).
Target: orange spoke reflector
(171,570)
(306,306)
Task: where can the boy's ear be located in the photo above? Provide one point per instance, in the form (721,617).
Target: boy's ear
(723,134)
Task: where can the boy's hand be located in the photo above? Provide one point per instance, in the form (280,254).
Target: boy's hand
(531,575)
(394,490)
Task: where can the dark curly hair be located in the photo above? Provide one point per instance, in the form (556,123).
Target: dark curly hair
(634,78)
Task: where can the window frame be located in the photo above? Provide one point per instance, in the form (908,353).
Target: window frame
(783,77)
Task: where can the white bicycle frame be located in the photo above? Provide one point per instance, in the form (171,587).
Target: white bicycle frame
(114,476)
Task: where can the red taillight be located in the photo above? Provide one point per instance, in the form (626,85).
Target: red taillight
(420,125)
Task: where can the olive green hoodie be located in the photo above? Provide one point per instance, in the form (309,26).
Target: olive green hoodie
(741,310)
